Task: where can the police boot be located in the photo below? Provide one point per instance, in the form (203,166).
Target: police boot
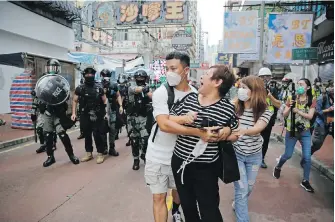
(49,144)
(41,149)
(117,136)
(100,158)
(136,165)
(68,147)
(128,143)
(51,160)
(88,157)
(112,151)
(74,159)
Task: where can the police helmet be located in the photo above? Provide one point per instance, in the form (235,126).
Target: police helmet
(141,73)
(53,66)
(105,73)
(123,78)
(89,70)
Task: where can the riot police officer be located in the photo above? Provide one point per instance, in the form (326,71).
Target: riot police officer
(92,101)
(115,105)
(54,91)
(137,116)
(123,89)
(37,116)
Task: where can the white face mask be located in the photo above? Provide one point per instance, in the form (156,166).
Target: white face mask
(173,78)
(242,94)
(199,148)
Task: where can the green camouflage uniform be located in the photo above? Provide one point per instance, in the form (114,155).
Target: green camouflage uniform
(137,126)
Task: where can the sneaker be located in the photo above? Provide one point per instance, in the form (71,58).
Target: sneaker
(305,184)
(276,172)
(177,217)
(263,165)
(233,205)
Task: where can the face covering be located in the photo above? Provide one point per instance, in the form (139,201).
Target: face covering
(89,80)
(199,148)
(242,94)
(173,78)
(301,90)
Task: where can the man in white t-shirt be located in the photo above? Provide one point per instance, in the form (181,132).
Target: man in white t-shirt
(158,172)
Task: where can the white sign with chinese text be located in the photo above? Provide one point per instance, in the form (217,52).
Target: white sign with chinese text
(125,44)
(287,32)
(240,32)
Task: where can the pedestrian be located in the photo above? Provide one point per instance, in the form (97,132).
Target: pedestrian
(254,116)
(304,109)
(158,172)
(92,100)
(324,123)
(273,105)
(196,163)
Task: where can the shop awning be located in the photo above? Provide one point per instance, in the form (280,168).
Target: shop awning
(17,59)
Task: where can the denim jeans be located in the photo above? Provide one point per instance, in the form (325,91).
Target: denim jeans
(248,166)
(305,140)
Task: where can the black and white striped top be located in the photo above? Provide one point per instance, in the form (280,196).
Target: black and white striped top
(221,113)
(248,145)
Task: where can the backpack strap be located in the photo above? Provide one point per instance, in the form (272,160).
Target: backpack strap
(170,103)
(170,93)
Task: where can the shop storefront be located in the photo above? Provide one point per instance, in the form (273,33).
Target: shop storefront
(326,57)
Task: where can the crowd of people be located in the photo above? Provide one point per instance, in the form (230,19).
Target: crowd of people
(188,136)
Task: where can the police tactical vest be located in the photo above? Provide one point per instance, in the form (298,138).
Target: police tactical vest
(141,104)
(111,95)
(90,99)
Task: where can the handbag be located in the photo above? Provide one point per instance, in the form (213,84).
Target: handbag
(230,171)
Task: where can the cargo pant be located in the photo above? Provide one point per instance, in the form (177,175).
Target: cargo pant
(138,135)
(52,124)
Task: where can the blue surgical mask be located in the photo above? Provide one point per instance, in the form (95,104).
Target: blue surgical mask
(301,90)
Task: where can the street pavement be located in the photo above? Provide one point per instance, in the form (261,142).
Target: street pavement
(113,192)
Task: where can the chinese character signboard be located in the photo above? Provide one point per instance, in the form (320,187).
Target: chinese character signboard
(125,44)
(181,40)
(287,32)
(151,12)
(325,48)
(240,32)
(305,53)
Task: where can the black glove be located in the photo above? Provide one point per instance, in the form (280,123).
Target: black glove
(33,117)
(146,89)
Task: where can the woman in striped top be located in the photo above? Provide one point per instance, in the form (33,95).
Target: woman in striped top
(254,116)
(195,163)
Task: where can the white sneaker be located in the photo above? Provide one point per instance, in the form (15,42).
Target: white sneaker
(233,205)
(177,217)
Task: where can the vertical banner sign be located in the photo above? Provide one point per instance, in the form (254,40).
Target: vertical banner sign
(287,32)
(151,12)
(240,32)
